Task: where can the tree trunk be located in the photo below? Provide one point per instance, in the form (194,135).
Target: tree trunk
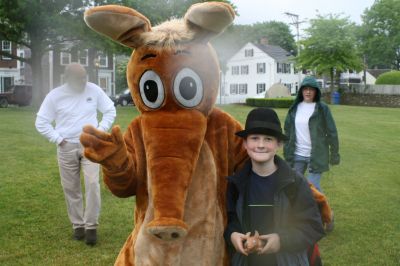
(332,87)
(337,76)
(38,92)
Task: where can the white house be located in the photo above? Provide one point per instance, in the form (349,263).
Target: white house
(253,70)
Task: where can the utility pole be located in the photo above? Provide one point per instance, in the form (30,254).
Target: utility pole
(296,23)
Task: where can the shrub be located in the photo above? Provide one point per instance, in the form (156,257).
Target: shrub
(389,78)
(270,102)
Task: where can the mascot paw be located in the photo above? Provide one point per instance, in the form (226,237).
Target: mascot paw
(104,148)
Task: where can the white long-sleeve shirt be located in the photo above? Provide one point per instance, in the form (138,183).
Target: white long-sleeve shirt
(303,138)
(71,111)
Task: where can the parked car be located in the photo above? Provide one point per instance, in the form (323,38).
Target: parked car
(16,94)
(124,98)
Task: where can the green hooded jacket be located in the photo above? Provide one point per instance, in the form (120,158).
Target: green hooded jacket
(323,132)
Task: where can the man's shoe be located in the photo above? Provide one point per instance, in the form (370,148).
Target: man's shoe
(79,233)
(91,237)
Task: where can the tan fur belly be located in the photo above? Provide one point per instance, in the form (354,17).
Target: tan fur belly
(204,243)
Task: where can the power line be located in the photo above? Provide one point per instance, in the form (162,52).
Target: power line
(296,23)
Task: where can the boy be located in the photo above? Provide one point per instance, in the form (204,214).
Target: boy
(268,196)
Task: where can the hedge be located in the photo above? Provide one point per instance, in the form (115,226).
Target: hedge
(270,102)
(389,78)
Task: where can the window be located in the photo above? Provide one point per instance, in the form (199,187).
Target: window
(283,68)
(242,88)
(286,68)
(288,85)
(235,70)
(278,68)
(248,53)
(5,83)
(21,63)
(103,60)
(6,47)
(260,67)
(260,88)
(65,58)
(234,88)
(83,57)
(244,70)
(104,82)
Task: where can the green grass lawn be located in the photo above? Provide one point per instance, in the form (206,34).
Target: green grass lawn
(364,192)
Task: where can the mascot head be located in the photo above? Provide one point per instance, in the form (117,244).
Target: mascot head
(173,75)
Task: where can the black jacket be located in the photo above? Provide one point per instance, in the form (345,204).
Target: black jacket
(296,216)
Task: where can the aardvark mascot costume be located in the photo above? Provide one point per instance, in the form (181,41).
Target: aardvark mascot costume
(175,156)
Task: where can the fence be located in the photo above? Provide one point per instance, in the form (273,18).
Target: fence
(374,89)
(369,95)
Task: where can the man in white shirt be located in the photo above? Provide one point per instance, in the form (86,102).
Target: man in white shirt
(71,106)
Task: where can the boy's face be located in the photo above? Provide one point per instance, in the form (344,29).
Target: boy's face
(261,148)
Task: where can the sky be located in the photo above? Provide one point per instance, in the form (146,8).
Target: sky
(252,11)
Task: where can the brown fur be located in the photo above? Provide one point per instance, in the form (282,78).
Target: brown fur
(324,208)
(173,159)
(220,126)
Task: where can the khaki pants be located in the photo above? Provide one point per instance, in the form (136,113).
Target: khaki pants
(70,162)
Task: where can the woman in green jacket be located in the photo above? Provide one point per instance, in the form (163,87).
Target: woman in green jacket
(313,139)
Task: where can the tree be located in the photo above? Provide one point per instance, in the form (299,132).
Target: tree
(389,78)
(158,11)
(277,33)
(40,25)
(330,47)
(121,82)
(380,34)
(43,25)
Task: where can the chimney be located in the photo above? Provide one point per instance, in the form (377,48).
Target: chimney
(263,40)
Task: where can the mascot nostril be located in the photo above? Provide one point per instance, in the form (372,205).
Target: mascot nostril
(168,234)
(175,156)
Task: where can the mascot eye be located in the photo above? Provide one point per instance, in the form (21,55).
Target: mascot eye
(188,88)
(151,89)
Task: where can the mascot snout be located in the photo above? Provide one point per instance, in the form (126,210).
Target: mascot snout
(170,168)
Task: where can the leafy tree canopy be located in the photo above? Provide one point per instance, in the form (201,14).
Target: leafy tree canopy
(380,34)
(43,25)
(330,46)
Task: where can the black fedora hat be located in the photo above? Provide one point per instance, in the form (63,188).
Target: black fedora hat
(263,121)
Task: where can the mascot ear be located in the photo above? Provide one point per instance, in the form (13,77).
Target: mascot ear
(209,19)
(122,24)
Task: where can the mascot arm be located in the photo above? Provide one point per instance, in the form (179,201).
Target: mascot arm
(239,154)
(110,150)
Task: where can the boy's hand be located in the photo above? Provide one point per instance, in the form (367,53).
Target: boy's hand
(237,240)
(273,244)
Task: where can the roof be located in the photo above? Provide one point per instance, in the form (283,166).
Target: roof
(377,72)
(276,52)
